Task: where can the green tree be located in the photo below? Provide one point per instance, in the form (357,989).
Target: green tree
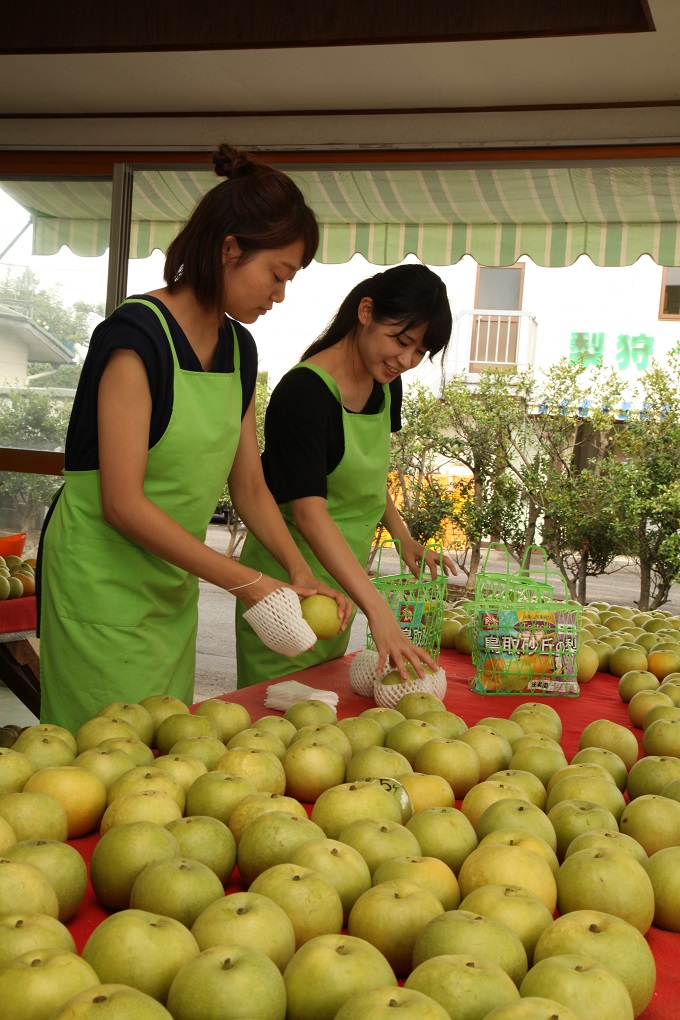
(668,556)
(32,421)
(478,426)
(586,527)
(418,452)
(44,376)
(70,324)
(563,456)
(650,444)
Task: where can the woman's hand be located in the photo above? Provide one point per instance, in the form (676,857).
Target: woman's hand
(392,644)
(304,583)
(413,554)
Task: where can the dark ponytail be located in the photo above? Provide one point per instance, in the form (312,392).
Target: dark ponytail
(407,296)
(261,207)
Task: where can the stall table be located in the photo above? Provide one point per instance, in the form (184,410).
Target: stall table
(19,661)
(599,699)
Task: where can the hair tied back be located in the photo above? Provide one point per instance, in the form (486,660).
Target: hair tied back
(232,163)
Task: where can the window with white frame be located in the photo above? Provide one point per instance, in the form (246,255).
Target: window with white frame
(670,293)
(495,327)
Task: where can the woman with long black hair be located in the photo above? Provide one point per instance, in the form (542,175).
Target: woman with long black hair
(327,452)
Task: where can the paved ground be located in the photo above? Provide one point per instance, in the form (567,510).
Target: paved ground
(216,661)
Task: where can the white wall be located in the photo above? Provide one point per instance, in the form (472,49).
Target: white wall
(591,299)
(13,362)
(582,298)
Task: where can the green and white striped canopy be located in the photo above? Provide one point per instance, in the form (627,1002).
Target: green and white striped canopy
(553,214)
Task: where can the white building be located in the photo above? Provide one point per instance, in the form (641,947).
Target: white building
(21,341)
(531,316)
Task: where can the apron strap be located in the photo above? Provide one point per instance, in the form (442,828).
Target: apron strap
(166,329)
(334,388)
(161,319)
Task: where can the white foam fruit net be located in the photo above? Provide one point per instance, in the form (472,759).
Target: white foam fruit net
(438,684)
(285,693)
(387,695)
(278,622)
(363,672)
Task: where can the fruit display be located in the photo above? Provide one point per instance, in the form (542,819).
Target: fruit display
(643,646)
(303,867)
(17,577)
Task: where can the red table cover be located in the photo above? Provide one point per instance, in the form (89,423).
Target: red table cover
(17,615)
(599,699)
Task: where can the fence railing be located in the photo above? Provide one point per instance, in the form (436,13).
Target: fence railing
(491,338)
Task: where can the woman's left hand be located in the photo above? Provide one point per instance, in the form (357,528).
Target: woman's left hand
(413,554)
(305,584)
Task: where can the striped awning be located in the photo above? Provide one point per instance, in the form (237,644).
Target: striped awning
(553,214)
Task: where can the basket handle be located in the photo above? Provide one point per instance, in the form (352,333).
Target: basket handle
(385,544)
(525,567)
(548,574)
(500,547)
(424,573)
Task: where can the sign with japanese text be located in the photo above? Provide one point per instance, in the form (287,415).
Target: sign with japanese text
(630,351)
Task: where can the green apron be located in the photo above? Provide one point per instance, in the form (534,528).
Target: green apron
(118,623)
(356,502)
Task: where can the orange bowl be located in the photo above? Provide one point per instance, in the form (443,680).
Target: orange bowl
(12,545)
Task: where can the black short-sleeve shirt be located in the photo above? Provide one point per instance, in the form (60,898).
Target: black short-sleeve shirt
(304,437)
(136,327)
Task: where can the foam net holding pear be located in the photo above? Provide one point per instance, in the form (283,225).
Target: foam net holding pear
(524,641)
(363,672)
(278,622)
(416,602)
(389,695)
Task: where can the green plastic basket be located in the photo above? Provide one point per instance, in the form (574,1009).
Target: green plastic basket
(524,640)
(416,602)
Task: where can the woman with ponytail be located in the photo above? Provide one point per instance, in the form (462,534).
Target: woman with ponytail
(163,416)
(327,453)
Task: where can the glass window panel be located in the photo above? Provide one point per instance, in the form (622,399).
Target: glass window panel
(670,294)
(49,305)
(499,288)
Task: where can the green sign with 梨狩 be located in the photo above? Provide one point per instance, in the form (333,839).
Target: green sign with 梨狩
(631,351)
